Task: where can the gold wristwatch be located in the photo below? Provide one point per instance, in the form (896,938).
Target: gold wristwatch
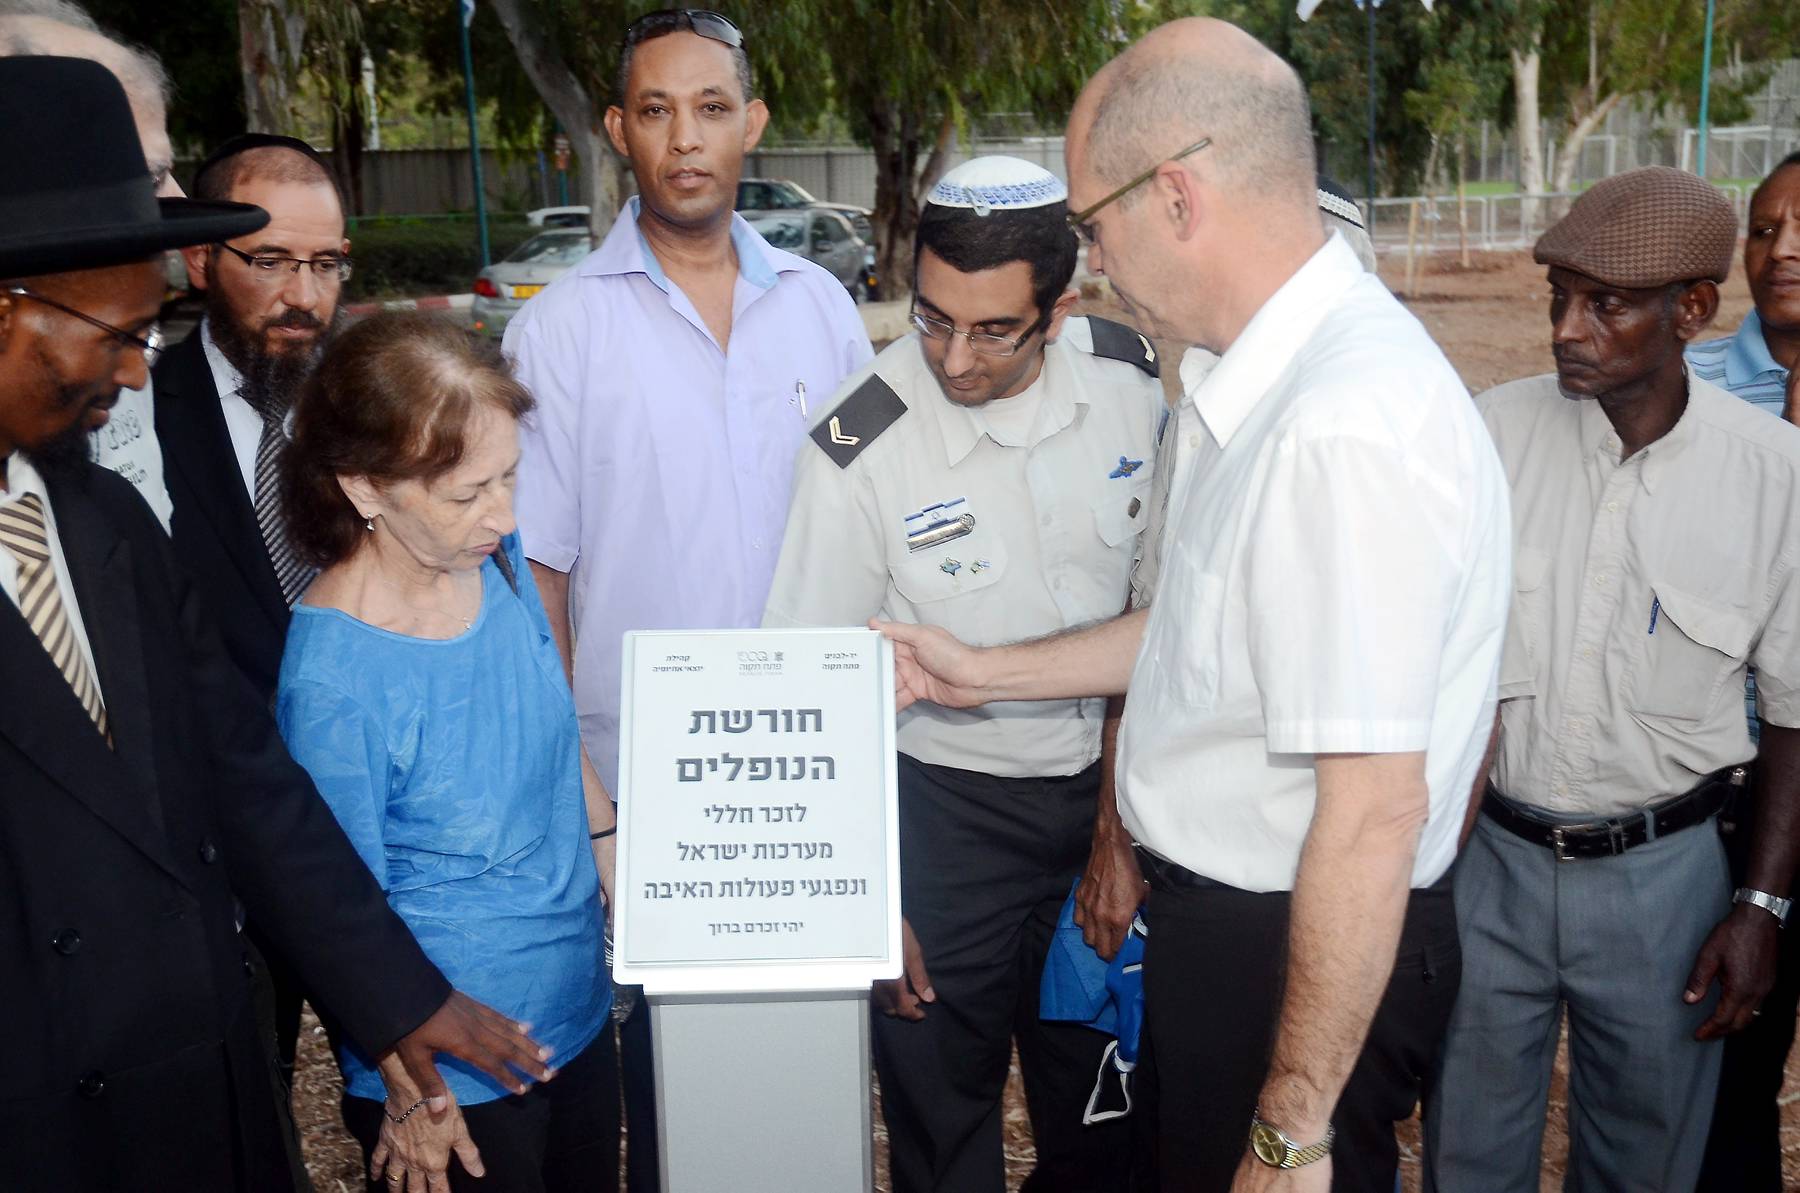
(1274,1148)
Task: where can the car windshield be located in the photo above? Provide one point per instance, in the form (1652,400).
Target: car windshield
(551,248)
(793,191)
(783,233)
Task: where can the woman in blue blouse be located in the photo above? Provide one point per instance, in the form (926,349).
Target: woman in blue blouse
(423,691)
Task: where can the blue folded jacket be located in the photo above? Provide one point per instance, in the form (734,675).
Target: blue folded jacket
(1107,996)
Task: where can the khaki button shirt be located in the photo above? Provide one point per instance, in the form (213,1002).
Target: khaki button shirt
(1051,535)
(1642,589)
(1172,444)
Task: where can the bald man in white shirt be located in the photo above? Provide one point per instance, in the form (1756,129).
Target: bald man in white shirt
(1310,695)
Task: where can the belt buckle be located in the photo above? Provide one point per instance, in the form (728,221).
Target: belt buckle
(1560,847)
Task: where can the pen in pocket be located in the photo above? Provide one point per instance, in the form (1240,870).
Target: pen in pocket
(1655,611)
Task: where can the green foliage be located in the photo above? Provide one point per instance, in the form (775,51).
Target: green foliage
(197,42)
(426,256)
(1457,52)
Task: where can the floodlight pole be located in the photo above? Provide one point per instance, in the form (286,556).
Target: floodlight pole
(467,14)
(1705,85)
(1369,8)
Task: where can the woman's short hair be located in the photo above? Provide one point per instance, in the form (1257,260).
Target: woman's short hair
(391,400)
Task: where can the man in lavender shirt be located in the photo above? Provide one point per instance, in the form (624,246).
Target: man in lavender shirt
(673,371)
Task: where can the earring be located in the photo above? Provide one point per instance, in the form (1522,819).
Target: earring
(369,523)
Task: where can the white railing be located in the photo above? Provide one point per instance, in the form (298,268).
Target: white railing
(1429,223)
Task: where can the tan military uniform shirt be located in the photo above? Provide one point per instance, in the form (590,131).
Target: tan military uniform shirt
(1196,363)
(912,508)
(1642,589)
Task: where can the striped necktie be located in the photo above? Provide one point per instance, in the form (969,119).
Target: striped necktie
(291,572)
(40,600)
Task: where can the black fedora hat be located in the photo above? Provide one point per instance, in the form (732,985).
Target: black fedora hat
(74,190)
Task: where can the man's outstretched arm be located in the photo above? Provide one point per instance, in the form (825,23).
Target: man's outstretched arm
(931,664)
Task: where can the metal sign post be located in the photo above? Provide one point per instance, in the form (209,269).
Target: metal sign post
(759,896)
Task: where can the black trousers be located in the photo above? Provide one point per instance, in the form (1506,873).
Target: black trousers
(1743,1150)
(637,1064)
(985,866)
(1214,966)
(558,1137)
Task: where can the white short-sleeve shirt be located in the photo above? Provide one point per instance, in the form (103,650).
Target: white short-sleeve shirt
(1335,575)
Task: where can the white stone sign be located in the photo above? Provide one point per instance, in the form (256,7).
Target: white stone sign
(758,822)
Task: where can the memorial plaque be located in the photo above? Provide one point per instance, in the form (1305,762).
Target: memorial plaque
(758,840)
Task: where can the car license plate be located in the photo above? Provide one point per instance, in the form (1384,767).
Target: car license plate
(525,291)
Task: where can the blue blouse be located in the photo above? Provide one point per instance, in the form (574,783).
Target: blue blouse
(454,767)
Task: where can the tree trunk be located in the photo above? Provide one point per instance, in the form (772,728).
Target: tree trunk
(938,162)
(1462,201)
(1580,129)
(270,37)
(1525,120)
(564,94)
(349,132)
(347,156)
(896,141)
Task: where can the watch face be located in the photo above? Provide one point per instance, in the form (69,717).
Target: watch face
(1268,1143)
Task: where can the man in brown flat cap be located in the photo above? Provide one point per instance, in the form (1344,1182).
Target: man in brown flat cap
(1654,559)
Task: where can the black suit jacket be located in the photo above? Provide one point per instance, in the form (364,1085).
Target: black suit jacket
(214,523)
(128,1054)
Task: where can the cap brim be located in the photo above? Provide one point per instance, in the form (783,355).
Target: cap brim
(184,222)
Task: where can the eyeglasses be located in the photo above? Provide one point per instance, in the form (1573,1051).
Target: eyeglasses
(1079,222)
(150,343)
(269,267)
(703,21)
(983,342)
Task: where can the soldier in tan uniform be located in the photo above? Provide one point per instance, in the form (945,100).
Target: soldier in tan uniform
(989,473)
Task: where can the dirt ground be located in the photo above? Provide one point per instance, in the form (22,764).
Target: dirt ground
(1492,322)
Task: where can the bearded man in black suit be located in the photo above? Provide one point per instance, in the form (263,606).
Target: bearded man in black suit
(146,801)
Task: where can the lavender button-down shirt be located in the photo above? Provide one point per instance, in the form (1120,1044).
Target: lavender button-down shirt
(658,467)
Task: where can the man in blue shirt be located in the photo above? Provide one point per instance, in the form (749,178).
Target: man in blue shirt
(673,370)
(1743,1152)
(1757,363)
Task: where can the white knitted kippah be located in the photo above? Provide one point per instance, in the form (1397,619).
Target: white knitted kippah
(998,183)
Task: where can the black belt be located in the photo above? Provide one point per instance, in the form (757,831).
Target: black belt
(1165,875)
(1614,835)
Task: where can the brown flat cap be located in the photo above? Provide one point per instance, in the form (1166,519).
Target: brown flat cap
(1645,228)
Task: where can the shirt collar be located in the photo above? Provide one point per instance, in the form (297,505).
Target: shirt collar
(1272,338)
(1747,356)
(226,378)
(963,428)
(626,251)
(23,478)
(1598,439)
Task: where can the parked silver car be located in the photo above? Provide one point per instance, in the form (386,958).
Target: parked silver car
(503,287)
(823,237)
(780,194)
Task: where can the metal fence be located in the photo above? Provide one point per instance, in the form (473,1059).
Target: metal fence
(1636,134)
(846,173)
(1435,224)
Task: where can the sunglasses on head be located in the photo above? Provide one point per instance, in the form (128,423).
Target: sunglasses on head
(702,21)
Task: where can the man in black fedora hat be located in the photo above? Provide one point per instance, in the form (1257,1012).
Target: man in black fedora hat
(146,802)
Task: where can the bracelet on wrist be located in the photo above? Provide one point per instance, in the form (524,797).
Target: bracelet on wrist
(408,1114)
(605,832)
